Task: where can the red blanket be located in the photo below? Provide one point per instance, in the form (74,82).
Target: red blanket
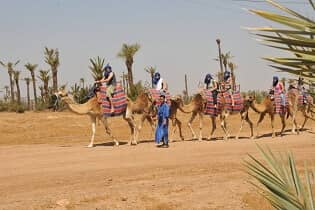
(119,100)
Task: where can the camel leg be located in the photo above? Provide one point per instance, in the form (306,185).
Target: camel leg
(174,124)
(214,126)
(224,126)
(143,118)
(283,124)
(132,127)
(179,124)
(108,130)
(243,116)
(272,119)
(200,125)
(251,125)
(194,136)
(306,117)
(261,118)
(93,122)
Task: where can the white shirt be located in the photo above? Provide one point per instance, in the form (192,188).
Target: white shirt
(159,84)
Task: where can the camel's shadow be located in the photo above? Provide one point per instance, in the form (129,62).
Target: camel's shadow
(109,144)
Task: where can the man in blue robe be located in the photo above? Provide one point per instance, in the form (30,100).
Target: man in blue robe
(161,133)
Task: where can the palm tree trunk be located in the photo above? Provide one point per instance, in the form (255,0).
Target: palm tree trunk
(34,88)
(46,91)
(11,86)
(28,96)
(55,79)
(18,91)
(130,74)
(220,59)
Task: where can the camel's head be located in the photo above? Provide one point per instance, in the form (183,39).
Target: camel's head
(62,93)
(178,100)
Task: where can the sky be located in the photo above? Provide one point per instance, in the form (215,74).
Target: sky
(176,36)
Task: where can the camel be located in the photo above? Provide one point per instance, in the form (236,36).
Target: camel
(176,103)
(291,110)
(92,108)
(198,106)
(295,106)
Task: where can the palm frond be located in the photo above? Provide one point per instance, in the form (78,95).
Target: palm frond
(280,181)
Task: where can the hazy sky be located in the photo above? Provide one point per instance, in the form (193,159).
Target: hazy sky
(176,36)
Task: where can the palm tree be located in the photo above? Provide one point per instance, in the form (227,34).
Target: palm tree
(151,70)
(297,38)
(225,59)
(232,67)
(280,181)
(16,76)
(127,53)
(97,67)
(31,68)
(52,59)
(10,66)
(44,77)
(220,75)
(28,80)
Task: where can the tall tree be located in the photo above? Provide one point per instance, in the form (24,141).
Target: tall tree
(151,70)
(225,59)
(220,74)
(28,80)
(97,67)
(127,53)
(10,69)
(232,67)
(31,68)
(44,77)
(16,75)
(52,59)
(7,92)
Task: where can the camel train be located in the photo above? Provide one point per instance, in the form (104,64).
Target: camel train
(202,103)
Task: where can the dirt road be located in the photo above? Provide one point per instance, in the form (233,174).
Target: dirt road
(45,165)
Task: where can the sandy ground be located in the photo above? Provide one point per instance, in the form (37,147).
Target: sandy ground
(44,164)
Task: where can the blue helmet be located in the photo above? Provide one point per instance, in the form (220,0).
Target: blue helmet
(275,80)
(208,78)
(226,75)
(156,78)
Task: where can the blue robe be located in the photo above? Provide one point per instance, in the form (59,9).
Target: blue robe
(161,132)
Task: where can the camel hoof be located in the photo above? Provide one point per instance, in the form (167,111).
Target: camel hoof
(90,146)
(200,140)
(116,143)
(194,137)
(135,143)
(253,137)
(236,138)
(182,138)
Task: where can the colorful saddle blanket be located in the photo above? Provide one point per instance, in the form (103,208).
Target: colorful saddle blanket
(119,100)
(224,99)
(155,94)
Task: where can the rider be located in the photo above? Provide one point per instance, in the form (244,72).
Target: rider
(278,87)
(228,84)
(212,85)
(110,81)
(301,88)
(159,83)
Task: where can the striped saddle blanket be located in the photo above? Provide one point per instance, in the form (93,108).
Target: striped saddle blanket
(279,108)
(155,94)
(119,100)
(224,99)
